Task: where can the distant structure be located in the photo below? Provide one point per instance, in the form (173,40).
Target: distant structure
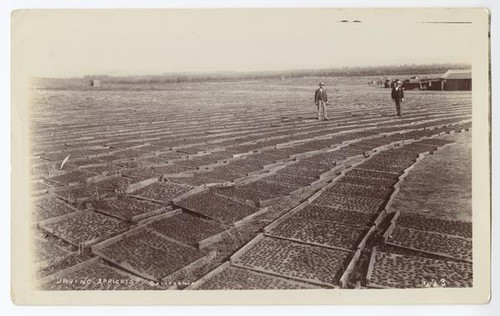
(455,80)
(432,84)
(452,80)
(95,83)
(412,84)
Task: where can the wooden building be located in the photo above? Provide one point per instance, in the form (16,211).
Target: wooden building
(412,84)
(455,80)
(432,84)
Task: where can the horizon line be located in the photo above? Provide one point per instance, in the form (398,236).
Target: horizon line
(276,71)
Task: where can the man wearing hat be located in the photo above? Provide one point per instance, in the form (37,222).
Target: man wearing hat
(321,101)
(398,96)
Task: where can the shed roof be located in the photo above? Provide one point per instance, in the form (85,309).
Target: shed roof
(458,74)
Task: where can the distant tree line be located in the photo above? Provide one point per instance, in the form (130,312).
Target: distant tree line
(334,72)
(378,71)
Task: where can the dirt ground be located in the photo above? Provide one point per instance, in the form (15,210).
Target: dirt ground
(441,185)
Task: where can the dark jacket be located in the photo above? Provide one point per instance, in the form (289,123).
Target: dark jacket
(397,94)
(320,96)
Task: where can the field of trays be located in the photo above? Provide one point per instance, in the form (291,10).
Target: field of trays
(236,185)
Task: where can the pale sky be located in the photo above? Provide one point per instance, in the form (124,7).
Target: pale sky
(134,42)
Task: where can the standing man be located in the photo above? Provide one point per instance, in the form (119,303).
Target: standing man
(321,101)
(398,96)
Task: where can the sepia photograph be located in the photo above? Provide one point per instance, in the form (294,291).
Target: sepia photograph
(336,155)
